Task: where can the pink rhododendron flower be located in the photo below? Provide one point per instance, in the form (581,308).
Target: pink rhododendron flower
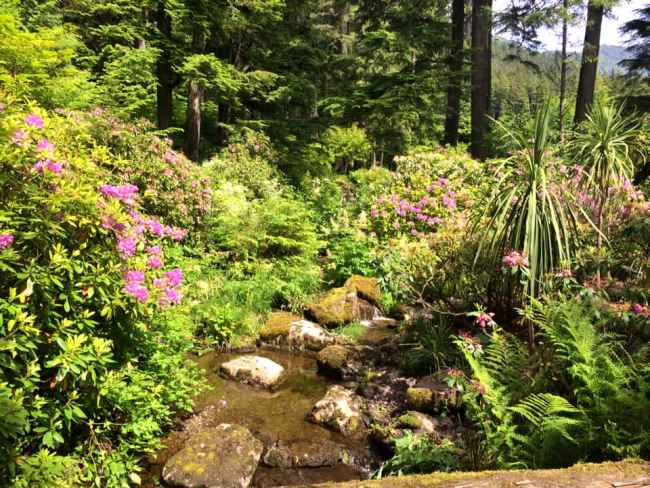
(448,202)
(155,227)
(54,167)
(178,234)
(160,282)
(175,276)
(33,120)
(19,136)
(45,146)
(6,240)
(125,193)
(514,259)
(139,292)
(134,277)
(154,262)
(637,308)
(172,296)
(126,246)
(374,213)
(484,320)
(154,250)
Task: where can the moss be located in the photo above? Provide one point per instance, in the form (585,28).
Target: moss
(278,324)
(421,399)
(366,288)
(334,309)
(410,421)
(333,357)
(574,477)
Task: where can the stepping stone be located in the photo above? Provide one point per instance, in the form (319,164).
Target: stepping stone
(254,370)
(224,457)
(339,409)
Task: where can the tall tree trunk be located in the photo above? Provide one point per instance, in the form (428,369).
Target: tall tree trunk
(454,88)
(165,88)
(481,75)
(193,131)
(195,94)
(589,66)
(564,63)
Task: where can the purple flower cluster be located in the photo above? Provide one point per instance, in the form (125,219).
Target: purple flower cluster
(125,193)
(33,120)
(6,240)
(637,309)
(134,285)
(417,213)
(47,165)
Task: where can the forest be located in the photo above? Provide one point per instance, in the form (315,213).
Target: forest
(258,243)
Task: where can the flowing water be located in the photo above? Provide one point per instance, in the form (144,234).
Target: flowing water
(279,415)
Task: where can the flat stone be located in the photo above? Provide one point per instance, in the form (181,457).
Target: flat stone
(386,322)
(304,454)
(339,409)
(254,370)
(222,457)
(304,334)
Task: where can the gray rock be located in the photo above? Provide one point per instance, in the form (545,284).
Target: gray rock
(304,454)
(304,334)
(254,370)
(223,457)
(339,409)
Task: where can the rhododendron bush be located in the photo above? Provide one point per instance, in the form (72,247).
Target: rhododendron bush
(85,277)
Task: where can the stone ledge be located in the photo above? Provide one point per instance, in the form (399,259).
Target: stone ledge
(625,474)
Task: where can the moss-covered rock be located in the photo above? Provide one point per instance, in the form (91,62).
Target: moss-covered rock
(367,288)
(421,399)
(417,422)
(225,457)
(306,335)
(337,307)
(278,324)
(332,360)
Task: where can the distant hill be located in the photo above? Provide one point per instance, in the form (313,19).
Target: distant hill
(610,56)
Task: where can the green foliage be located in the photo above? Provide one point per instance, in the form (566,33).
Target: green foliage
(420,454)
(526,212)
(433,346)
(83,362)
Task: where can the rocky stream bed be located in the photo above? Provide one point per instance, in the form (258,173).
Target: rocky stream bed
(305,405)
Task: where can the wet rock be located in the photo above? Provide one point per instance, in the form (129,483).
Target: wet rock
(337,307)
(304,334)
(254,370)
(432,395)
(304,454)
(278,324)
(366,288)
(332,361)
(339,409)
(223,457)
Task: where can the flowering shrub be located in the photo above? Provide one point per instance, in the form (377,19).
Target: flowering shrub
(83,276)
(169,185)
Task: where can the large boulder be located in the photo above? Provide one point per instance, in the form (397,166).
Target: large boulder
(278,325)
(340,306)
(366,288)
(222,457)
(254,370)
(304,334)
(339,409)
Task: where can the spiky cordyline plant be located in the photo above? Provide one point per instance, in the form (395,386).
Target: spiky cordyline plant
(524,213)
(604,145)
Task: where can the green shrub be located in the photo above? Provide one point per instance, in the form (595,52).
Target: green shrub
(85,344)
(415,454)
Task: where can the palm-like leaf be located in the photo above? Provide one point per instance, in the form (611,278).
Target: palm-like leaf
(524,214)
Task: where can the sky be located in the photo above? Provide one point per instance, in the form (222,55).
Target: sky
(609,35)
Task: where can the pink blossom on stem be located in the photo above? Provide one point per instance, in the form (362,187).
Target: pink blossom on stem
(33,120)
(6,240)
